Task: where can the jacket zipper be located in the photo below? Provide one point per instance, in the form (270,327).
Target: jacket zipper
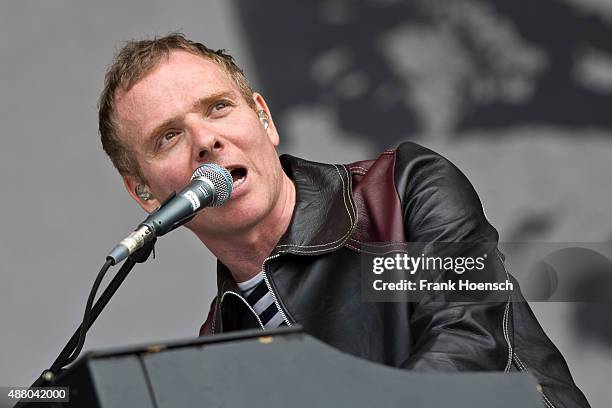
(269,286)
(247,305)
(265,276)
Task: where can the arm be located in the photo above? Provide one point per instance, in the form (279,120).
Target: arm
(440,205)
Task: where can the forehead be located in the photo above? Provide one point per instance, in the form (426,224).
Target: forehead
(170,88)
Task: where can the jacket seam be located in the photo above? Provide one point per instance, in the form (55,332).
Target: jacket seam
(506,336)
(376,253)
(378,244)
(505,319)
(358,168)
(345,193)
(349,246)
(522,367)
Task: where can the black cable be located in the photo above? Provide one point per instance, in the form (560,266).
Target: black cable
(87,315)
(96,310)
(74,346)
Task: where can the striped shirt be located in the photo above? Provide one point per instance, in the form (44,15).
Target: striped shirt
(259,297)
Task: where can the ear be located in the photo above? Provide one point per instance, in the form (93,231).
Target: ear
(260,103)
(130,183)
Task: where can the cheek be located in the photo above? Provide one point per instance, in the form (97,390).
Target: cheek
(165,178)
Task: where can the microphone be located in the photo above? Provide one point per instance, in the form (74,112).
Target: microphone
(210,186)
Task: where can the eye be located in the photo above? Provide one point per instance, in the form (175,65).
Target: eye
(219,106)
(167,138)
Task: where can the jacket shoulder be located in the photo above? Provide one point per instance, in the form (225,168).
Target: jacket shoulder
(439,202)
(412,193)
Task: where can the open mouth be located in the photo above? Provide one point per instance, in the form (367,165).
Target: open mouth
(238,176)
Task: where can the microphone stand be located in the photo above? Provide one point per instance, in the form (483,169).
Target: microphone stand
(208,188)
(47,378)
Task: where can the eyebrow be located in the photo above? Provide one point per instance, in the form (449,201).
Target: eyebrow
(199,104)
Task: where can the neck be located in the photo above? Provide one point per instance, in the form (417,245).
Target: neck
(245,253)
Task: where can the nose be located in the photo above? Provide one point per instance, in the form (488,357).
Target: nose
(204,151)
(206,143)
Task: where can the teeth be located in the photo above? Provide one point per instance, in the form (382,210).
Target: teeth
(238,182)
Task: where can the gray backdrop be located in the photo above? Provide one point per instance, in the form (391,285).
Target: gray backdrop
(516,96)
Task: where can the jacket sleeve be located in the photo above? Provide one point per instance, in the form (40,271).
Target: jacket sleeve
(440,205)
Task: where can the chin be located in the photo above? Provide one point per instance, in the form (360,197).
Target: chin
(231,218)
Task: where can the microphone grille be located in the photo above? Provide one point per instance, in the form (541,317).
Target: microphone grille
(220,178)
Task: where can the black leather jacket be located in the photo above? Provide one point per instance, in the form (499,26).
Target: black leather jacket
(408,194)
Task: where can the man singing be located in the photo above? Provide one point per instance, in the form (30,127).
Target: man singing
(288,241)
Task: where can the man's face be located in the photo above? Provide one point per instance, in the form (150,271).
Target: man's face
(186,112)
